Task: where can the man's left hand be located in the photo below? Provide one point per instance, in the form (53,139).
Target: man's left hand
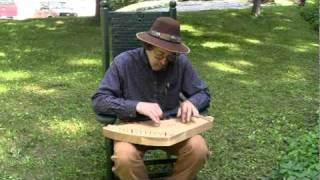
(186,111)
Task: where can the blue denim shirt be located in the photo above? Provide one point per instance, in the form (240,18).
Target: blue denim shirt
(130,80)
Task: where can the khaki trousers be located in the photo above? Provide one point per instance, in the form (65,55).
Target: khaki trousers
(191,156)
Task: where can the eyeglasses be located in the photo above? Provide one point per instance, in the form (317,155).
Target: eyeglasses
(169,57)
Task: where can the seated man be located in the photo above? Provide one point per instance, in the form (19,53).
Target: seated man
(145,83)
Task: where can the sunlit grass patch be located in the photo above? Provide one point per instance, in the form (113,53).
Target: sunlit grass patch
(253,41)
(38,89)
(242,63)
(314,44)
(71,127)
(280,28)
(191,29)
(84,62)
(43,25)
(52,28)
(14,75)
(294,73)
(302,48)
(3,88)
(212,44)
(249,83)
(225,68)
(59,22)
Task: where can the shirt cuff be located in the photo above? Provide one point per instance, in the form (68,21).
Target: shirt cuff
(194,101)
(131,111)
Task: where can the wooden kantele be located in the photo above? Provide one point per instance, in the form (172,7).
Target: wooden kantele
(167,133)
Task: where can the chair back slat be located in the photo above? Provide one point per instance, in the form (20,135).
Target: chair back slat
(125,26)
(120,28)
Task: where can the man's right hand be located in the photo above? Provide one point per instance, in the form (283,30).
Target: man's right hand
(152,110)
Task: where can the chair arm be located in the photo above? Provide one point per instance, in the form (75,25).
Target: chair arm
(106,119)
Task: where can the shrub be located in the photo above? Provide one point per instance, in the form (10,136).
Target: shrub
(310,12)
(301,159)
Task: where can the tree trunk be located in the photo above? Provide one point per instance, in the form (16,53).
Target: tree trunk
(302,2)
(97,15)
(256,8)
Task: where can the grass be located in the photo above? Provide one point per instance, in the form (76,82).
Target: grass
(262,72)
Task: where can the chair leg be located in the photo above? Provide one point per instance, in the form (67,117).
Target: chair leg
(109,152)
(169,156)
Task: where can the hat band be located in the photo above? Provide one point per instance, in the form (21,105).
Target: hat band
(165,36)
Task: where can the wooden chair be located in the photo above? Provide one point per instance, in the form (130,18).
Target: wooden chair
(119,34)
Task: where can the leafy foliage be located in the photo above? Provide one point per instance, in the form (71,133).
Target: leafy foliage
(310,12)
(300,160)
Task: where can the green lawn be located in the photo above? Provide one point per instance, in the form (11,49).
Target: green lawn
(262,71)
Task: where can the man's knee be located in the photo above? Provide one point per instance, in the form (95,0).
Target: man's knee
(199,147)
(125,154)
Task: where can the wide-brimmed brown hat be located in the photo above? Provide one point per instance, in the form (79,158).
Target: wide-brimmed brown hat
(164,33)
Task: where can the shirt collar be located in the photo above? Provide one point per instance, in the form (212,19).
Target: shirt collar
(144,56)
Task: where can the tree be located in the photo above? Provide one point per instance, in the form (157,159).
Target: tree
(97,15)
(302,2)
(256,8)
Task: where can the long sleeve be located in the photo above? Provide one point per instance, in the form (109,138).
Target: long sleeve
(130,80)
(109,97)
(194,88)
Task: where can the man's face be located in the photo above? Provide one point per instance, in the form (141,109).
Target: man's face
(158,58)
